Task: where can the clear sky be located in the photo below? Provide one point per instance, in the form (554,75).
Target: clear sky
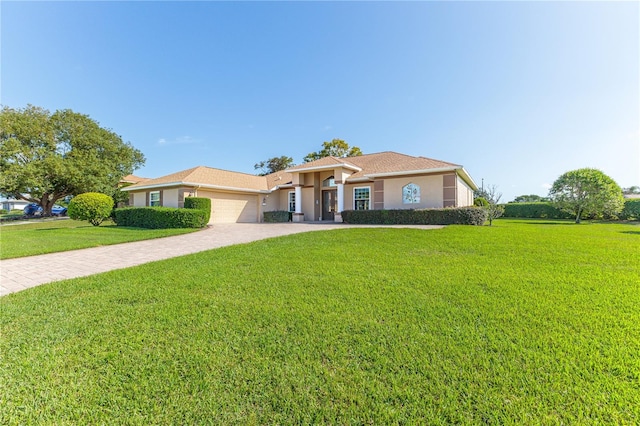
(516,92)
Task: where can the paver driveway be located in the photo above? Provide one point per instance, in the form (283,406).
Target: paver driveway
(26,272)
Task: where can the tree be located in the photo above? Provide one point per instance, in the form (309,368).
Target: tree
(274,164)
(632,190)
(335,148)
(45,157)
(494,209)
(532,198)
(91,206)
(587,191)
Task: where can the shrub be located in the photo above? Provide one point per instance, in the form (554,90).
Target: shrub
(4,211)
(199,203)
(481,202)
(535,211)
(448,216)
(277,216)
(91,206)
(631,210)
(160,217)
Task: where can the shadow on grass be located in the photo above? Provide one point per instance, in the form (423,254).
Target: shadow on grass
(551,223)
(630,232)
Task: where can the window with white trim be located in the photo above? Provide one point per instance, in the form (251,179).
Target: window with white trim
(292,201)
(154,198)
(361,198)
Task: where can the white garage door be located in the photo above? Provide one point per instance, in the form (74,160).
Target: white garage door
(231,208)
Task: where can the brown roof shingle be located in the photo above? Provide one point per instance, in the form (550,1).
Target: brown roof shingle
(380,162)
(208,176)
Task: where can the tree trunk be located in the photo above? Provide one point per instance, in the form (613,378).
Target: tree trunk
(47,205)
(578,215)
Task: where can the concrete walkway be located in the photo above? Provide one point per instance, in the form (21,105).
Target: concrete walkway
(26,272)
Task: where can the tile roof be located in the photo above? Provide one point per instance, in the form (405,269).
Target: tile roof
(208,176)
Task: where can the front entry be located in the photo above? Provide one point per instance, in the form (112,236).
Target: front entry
(329,204)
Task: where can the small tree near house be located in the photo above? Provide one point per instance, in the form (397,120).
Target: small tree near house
(494,209)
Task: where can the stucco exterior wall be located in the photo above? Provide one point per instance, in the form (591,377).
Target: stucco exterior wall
(308,204)
(465,194)
(139,199)
(430,192)
(170,197)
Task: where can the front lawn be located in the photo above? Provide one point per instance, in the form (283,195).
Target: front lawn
(56,235)
(525,322)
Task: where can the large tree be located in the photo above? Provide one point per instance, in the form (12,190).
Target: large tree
(45,157)
(335,148)
(587,191)
(274,164)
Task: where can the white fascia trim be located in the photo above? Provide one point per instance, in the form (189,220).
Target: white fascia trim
(199,186)
(277,187)
(331,167)
(467,178)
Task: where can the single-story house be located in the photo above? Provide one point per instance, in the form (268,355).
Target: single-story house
(9,204)
(315,191)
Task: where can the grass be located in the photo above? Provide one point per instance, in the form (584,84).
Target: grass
(52,236)
(523,322)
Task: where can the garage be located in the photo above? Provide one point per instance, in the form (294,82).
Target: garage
(232,208)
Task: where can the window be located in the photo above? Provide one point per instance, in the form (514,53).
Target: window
(154,198)
(329,182)
(361,197)
(292,201)
(411,194)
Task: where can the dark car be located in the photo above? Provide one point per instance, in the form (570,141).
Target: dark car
(34,209)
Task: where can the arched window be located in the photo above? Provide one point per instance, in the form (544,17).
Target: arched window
(411,194)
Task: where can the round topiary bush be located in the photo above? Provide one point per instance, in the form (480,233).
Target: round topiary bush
(91,206)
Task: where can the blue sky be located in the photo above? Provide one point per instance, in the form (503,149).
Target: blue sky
(517,92)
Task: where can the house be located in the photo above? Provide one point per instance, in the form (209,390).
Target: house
(314,191)
(9,204)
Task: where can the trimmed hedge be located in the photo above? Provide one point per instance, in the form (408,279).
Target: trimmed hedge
(160,217)
(535,211)
(448,216)
(199,203)
(631,210)
(277,216)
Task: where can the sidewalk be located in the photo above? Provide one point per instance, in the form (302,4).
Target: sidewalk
(26,272)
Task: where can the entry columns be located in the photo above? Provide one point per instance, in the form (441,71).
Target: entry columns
(338,215)
(298,216)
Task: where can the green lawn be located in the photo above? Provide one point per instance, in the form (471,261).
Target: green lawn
(525,322)
(62,235)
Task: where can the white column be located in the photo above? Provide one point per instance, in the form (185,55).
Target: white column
(298,199)
(337,217)
(340,197)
